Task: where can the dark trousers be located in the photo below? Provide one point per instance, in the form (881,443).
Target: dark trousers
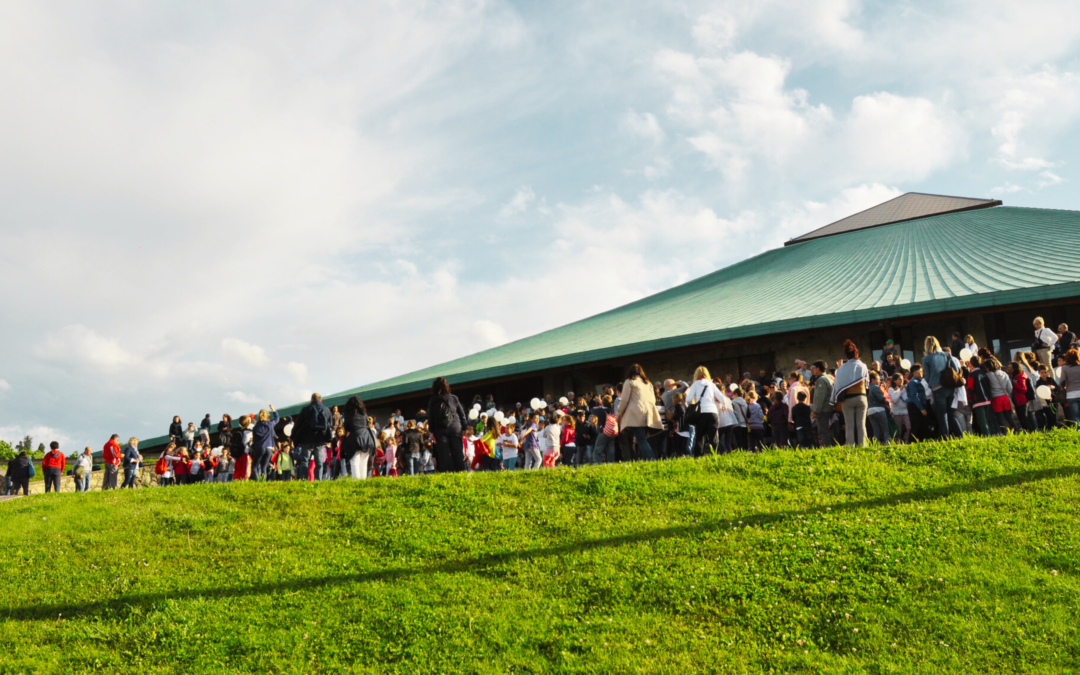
(705,433)
(677,445)
(23,483)
(919,427)
(52,478)
(108,478)
(942,404)
(805,436)
(757,439)
(130,473)
(641,436)
(449,454)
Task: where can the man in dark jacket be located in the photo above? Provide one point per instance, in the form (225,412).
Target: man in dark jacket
(412,448)
(53,467)
(18,470)
(132,460)
(312,434)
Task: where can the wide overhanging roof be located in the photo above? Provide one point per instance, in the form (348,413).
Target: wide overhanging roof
(953,262)
(907,206)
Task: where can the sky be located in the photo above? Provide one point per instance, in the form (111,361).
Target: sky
(210,207)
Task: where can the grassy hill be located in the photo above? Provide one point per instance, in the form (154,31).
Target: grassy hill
(935,558)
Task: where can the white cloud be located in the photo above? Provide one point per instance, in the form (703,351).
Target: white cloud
(241,397)
(245,351)
(896,138)
(80,346)
(4,385)
(519,203)
(298,370)
(488,333)
(642,125)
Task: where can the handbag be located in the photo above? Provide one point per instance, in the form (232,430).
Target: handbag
(611,426)
(693,410)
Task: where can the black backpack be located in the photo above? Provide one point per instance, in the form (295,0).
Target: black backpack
(443,415)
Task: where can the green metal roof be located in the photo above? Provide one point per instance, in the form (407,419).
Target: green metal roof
(950,262)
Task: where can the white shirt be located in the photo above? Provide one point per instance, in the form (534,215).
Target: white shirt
(706,392)
(897,401)
(509,444)
(1048,337)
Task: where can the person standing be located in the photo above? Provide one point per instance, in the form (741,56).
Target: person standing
(1070,384)
(84,466)
(204,430)
(176,430)
(262,444)
(849,389)
(132,459)
(821,403)
(111,456)
(312,433)
(877,407)
(412,448)
(18,470)
(942,375)
(1045,339)
(52,466)
(706,397)
(637,411)
(359,442)
(446,420)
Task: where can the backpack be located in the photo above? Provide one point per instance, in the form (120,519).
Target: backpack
(161,466)
(443,415)
(33,471)
(951,378)
(320,424)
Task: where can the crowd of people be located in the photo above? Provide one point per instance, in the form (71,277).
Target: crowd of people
(955,390)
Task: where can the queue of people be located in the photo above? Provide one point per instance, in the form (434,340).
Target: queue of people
(955,390)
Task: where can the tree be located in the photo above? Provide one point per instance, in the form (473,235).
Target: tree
(26,444)
(6,451)
(41,448)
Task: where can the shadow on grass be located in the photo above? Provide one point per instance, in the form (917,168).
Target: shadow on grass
(125,602)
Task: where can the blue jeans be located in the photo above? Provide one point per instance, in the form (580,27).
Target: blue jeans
(509,463)
(1074,411)
(307,452)
(942,404)
(604,452)
(583,455)
(641,434)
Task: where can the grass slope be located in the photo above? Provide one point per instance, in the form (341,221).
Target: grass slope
(951,558)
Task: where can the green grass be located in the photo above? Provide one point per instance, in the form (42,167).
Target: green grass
(935,558)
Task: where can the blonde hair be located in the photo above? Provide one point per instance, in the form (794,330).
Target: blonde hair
(701,372)
(133,441)
(931,345)
(1038,319)
(411,424)
(245,422)
(264,416)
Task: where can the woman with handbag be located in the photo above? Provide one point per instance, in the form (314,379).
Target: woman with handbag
(703,411)
(849,390)
(637,411)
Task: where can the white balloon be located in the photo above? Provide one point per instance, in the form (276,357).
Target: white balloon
(499,416)
(541,405)
(733,387)
(476,407)
(965,354)
(473,414)
(563,400)
(905,364)
(535,403)
(1043,392)
(287,430)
